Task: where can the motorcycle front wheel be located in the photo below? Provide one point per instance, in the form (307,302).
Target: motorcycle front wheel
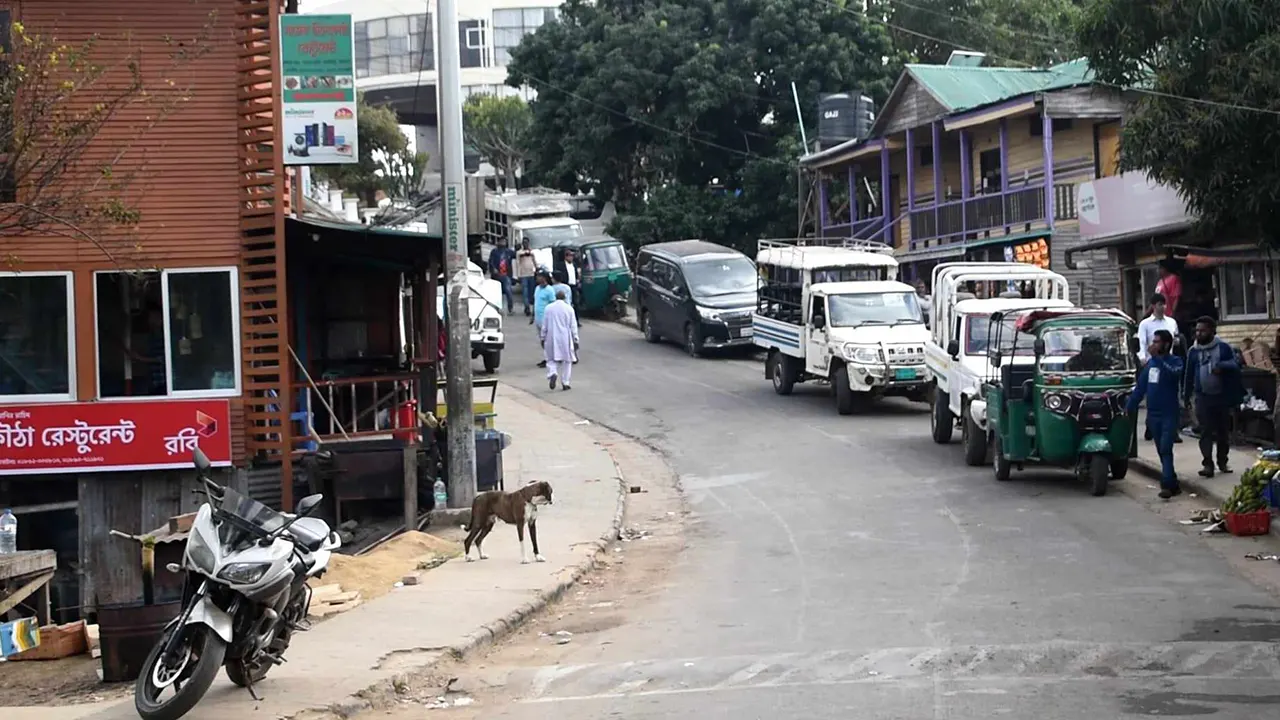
(188,673)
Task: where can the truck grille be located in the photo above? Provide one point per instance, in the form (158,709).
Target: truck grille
(905,354)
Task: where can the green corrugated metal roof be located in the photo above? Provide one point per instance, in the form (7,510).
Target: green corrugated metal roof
(965,88)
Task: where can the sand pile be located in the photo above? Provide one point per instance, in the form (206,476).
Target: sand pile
(376,573)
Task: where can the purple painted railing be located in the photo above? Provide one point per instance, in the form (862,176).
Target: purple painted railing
(864,229)
(955,220)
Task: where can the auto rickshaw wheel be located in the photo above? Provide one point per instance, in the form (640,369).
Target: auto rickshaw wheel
(492,360)
(999,463)
(975,441)
(1119,468)
(941,421)
(1099,474)
(646,327)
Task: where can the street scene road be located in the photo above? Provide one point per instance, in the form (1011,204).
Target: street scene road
(849,567)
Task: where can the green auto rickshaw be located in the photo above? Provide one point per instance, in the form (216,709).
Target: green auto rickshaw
(1057,391)
(604,276)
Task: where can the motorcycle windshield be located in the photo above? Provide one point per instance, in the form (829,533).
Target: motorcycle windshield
(249,519)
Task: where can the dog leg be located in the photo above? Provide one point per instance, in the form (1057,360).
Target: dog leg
(484,533)
(471,538)
(533,538)
(524,559)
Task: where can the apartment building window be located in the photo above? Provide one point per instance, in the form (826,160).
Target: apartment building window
(394,45)
(1244,291)
(170,333)
(510,27)
(37,339)
(473,44)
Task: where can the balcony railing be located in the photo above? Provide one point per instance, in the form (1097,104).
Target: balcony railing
(351,408)
(960,219)
(864,229)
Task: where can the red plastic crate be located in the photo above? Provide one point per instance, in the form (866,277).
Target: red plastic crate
(1246,524)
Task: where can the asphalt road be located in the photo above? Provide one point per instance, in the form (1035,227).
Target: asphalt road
(848,567)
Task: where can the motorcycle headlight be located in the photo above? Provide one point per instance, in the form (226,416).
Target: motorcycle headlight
(244,573)
(1056,403)
(709,314)
(862,353)
(200,555)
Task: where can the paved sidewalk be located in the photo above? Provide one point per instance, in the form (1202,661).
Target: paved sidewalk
(458,606)
(1186,462)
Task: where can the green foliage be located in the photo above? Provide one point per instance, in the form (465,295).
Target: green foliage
(56,178)
(498,127)
(680,111)
(1222,156)
(1011,32)
(385,162)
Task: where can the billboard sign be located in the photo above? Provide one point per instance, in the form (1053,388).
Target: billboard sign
(318,89)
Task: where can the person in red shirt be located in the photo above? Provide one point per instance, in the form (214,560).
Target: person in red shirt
(1170,286)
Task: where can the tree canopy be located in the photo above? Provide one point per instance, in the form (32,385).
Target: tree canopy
(1010,32)
(385,161)
(1208,118)
(680,111)
(498,127)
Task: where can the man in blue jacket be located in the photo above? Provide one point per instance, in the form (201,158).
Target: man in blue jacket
(1213,378)
(1158,383)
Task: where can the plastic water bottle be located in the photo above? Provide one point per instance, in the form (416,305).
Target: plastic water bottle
(8,532)
(442,495)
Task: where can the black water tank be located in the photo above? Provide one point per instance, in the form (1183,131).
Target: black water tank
(843,117)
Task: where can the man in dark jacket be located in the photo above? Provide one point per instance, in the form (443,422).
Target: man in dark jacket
(1213,379)
(1158,384)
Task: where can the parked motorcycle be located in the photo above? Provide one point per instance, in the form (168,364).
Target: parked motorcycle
(245,595)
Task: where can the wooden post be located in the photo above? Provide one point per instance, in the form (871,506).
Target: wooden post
(411,487)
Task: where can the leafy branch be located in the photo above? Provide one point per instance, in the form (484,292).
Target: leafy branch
(499,128)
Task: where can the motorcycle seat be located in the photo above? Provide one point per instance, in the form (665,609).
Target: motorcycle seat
(310,533)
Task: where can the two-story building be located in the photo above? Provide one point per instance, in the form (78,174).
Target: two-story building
(981,164)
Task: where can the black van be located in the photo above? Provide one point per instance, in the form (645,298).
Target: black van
(697,292)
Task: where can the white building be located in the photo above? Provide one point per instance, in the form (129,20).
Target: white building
(396,54)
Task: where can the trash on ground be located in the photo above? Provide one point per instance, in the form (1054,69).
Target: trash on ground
(563,633)
(629,534)
(1262,556)
(563,641)
(444,703)
(583,422)
(636,489)
(1204,515)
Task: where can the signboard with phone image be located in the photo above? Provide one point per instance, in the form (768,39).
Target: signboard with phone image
(318,89)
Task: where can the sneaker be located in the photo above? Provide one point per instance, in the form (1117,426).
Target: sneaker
(1176,491)
(551,382)
(1165,494)
(1224,468)
(565,387)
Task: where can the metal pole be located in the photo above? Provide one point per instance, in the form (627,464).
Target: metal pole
(461,424)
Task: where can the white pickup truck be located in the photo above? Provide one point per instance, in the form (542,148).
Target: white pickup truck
(956,352)
(485,305)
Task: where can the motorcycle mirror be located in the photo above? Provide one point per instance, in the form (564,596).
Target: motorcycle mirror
(201,460)
(307,504)
(1038,346)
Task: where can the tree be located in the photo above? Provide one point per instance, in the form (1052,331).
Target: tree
(1010,32)
(1207,121)
(385,161)
(680,111)
(498,127)
(57,175)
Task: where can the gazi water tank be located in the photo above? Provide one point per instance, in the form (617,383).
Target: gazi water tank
(843,117)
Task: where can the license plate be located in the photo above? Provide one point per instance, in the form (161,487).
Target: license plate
(904,374)
(744,332)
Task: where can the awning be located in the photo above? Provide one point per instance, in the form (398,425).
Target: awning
(932,253)
(1103,243)
(401,247)
(1204,257)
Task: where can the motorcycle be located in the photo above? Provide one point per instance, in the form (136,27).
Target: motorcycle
(245,595)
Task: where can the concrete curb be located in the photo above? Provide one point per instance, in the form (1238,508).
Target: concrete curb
(1152,471)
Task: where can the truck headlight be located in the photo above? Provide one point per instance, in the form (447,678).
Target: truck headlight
(244,573)
(862,353)
(492,323)
(709,314)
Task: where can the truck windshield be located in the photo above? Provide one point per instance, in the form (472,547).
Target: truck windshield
(545,237)
(874,308)
(727,276)
(1086,350)
(978,338)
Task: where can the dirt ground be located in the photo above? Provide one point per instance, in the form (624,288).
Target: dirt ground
(75,680)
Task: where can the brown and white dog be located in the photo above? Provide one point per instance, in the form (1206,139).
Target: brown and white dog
(514,508)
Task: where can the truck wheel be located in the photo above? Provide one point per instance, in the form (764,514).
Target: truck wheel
(783,380)
(975,441)
(646,327)
(1099,474)
(1119,468)
(492,360)
(941,421)
(999,463)
(845,401)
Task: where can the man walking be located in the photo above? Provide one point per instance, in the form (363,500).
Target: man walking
(1213,379)
(501,260)
(1158,383)
(1157,320)
(526,272)
(559,341)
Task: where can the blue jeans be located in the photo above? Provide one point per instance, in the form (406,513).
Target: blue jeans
(528,284)
(1163,431)
(506,291)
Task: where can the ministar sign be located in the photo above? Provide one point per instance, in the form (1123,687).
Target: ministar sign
(112,436)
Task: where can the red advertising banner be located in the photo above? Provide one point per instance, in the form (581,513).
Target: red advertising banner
(110,436)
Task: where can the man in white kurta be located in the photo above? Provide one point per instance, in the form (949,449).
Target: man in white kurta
(559,337)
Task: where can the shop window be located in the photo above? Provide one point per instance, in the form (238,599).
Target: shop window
(1244,290)
(37,341)
(171,333)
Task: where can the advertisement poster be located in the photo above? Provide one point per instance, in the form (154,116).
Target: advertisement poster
(317,65)
(108,436)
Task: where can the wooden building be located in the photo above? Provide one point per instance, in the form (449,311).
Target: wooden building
(119,356)
(977,163)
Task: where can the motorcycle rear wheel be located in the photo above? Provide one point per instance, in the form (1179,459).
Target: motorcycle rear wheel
(193,682)
(240,677)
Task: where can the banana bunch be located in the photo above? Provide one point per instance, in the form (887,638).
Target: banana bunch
(1247,496)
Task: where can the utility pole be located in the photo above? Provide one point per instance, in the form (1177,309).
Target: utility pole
(461,424)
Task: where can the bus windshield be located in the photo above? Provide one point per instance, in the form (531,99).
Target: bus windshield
(873,308)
